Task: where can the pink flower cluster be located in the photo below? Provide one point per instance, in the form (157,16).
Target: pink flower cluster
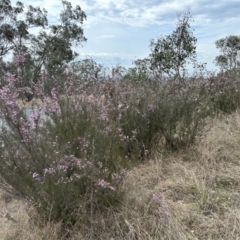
(102,183)
(19,59)
(163,208)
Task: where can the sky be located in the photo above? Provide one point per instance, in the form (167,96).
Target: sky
(120,31)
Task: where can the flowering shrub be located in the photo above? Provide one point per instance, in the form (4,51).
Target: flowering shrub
(224,92)
(71,145)
(61,151)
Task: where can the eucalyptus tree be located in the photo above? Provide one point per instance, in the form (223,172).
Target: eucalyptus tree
(169,54)
(229,59)
(49,48)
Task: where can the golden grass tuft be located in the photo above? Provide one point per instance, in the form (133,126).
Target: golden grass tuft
(201,187)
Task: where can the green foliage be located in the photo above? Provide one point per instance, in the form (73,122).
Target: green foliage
(141,71)
(222,62)
(87,69)
(14,32)
(229,60)
(51,48)
(224,93)
(170,53)
(61,158)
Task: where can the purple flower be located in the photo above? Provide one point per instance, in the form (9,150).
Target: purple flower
(163,208)
(36,176)
(102,183)
(19,59)
(54,93)
(67,71)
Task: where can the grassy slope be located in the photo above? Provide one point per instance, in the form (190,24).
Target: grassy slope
(200,185)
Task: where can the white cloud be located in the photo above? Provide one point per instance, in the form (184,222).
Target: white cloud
(106,54)
(106,36)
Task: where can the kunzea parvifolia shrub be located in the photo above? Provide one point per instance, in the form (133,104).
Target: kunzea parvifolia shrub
(72,147)
(59,150)
(179,109)
(224,92)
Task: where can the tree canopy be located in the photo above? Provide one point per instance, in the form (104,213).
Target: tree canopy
(50,48)
(169,54)
(230,49)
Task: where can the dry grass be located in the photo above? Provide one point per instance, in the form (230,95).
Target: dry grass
(26,104)
(201,186)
